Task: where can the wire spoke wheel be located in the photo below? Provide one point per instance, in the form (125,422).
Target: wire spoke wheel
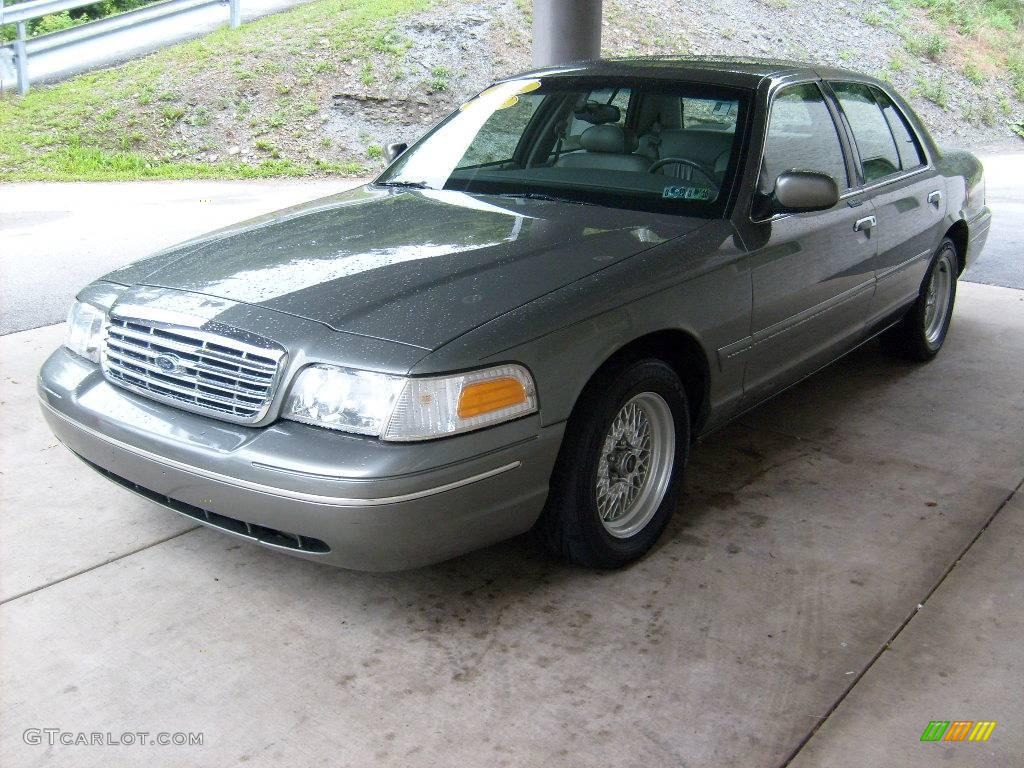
(937,299)
(635,466)
(621,466)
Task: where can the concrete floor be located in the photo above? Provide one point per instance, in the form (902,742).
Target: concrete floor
(961,658)
(812,531)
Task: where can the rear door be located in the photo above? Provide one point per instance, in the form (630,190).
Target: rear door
(907,192)
(812,273)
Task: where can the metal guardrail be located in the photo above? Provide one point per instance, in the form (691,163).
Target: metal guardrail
(23,12)
(33,9)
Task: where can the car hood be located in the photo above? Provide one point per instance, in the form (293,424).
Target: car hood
(418,267)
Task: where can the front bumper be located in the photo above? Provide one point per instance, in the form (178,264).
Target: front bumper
(340,499)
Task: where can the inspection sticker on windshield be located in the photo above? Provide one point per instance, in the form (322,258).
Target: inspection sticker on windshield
(503,95)
(686,193)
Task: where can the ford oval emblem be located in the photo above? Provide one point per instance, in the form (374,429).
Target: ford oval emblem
(168,363)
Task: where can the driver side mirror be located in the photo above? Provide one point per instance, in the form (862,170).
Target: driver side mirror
(392,151)
(804,191)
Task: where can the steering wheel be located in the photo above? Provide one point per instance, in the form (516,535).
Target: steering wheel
(657,165)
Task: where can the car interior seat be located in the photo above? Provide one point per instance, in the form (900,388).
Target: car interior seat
(607,146)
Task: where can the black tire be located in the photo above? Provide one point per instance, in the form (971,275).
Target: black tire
(910,338)
(570,525)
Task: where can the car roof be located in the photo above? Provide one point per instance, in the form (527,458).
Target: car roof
(742,72)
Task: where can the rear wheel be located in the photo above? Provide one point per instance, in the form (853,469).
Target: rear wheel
(617,479)
(921,333)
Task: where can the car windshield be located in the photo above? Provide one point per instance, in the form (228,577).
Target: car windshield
(653,146)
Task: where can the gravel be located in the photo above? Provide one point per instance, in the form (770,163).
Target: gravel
(475,43)
(453,52)
(831,34)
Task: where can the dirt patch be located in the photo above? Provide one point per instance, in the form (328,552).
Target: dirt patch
(446,55)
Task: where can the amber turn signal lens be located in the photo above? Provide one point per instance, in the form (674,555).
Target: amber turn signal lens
(486,396)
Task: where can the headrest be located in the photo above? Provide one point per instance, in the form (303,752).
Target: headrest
(608,138)
(596,113)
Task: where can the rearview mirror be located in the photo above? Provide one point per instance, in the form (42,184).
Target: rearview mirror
(803,191)
(391,151)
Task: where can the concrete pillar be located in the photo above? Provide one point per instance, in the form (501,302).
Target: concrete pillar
(566,30)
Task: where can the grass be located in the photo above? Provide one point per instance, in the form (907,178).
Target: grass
(439,77)
(387,40)
(172,115)
(366,73)
(971,17)
(973,74)
(151,118)
(934,90)
(984,39)
(1015,65)
(91,164)
(930,46)
(987,114)
(989,35)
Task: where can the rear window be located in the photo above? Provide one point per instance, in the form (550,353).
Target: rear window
(709,114)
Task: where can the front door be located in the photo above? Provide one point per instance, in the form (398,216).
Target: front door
(812,273)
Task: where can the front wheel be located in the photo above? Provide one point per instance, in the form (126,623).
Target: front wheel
(920,334)
(617,479)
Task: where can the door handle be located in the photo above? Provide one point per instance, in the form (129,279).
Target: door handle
(935,198)
(868,222)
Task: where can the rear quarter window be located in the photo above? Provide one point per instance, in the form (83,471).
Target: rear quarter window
(907,145)
(879,155)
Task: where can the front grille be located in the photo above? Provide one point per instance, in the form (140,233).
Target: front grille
(199,371)
(260,533)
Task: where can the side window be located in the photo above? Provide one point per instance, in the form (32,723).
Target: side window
(878,153)
(907,145)
(801,136)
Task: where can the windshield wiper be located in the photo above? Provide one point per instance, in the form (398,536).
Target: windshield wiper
(405,184)
(544,196)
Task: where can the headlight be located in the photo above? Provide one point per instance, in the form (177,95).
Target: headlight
(403,409)
(85,330)
(341,398)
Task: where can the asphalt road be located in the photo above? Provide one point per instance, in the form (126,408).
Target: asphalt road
(55,238)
